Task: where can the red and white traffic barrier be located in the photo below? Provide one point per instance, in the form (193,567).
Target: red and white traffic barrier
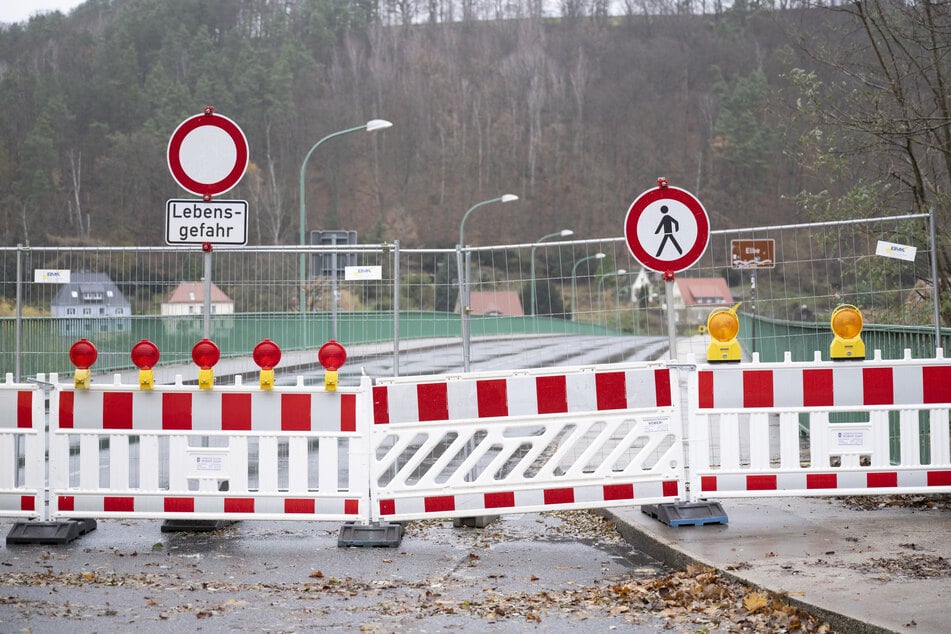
(22,447)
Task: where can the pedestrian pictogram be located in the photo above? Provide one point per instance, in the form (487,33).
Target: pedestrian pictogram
(667,229)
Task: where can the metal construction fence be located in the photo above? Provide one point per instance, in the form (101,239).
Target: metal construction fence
(116,296)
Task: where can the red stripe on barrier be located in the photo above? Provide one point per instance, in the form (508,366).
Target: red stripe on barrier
(239,505)
(559,496)
(66,409)
(817,388)
(877,386)
(432,399)
(662,392)
(887,479)
(295,412)
(611,390)
(117,410)
(551,392)
(761,483)
(758,388)
(503,499)
(705,385)
(381,405)
(492,397)
(24,410)
(66,503)
(822,481)
(939,478)
(618,492)
(27,502)
(300,505)
(348,412)
(124,504)
(387,507)
(439,503)
(235,412)
(351,507)
(179,505)
(936,384)
(708,483)
(177,411)
(671,488)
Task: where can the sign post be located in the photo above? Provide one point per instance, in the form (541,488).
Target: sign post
(667,230)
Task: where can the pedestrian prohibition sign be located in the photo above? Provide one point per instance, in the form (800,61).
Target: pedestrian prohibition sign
(667,229)
(207,154)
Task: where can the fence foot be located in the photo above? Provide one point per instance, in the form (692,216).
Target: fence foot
(60,532)
(375,534)
(687,513)
(194,526)
(480,521)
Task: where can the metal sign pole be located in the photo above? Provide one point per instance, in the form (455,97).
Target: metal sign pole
(671,316)
(207,309)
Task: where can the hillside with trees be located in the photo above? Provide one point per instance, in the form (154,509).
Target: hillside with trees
(768,113)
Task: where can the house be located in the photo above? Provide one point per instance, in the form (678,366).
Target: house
(91,304)
(496,303)
(188,301)
(695,297)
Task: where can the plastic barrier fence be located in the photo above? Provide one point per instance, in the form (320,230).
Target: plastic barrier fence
(525,441)
(234,452)
(22,447)
(791,429)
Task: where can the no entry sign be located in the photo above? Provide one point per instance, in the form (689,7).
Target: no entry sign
(207,154)
(667,229)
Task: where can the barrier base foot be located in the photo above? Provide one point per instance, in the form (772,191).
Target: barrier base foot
(687,513)
(194,526)
(60,532)
(474,522)
(376,534)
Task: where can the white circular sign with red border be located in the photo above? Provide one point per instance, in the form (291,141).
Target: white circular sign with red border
(207,154)
(667,229)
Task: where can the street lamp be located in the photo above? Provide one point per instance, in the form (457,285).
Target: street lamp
(369,126)
(564,233)
(464,307)
(617,273)
(574,269)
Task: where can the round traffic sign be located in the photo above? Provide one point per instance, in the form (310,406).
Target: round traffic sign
(207,154)
(667,229)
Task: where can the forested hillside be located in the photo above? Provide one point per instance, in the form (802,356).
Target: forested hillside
(576,114)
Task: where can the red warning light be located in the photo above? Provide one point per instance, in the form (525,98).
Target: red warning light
(205,354)
(83,354)
(266,354)
(145,355)
(332,355)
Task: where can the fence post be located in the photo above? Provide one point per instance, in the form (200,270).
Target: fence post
(396,308)
(18,324)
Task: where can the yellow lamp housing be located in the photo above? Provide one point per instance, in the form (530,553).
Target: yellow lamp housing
(847,344)
(330,381)
(146,380)
(267,379)
(723,326)
(82,378)
(206,379)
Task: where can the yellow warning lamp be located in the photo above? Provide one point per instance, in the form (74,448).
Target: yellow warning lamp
(145,356)
(331,355)
(82,354)
(846,325)
(723,326)
(267,355)
(205,354)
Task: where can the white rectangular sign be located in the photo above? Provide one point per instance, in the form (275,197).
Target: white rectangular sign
(51,276)
(899,251)
(363,273)
(198,222)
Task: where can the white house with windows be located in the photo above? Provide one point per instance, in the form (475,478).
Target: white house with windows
(185,307)
(91,304)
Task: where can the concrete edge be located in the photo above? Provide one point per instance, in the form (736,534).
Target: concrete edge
(671,556)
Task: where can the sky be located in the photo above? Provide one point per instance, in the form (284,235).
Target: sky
(21,10)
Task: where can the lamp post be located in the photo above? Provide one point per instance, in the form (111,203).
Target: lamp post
(574,269)
(618,273)
(464,307)
(369,126)
(564,233)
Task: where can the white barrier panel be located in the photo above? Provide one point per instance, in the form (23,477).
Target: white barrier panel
(790,429)
(22,447)
(525,441)
(230,453)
